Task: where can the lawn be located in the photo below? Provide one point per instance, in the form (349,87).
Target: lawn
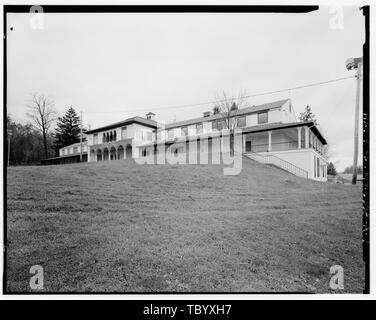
(121,227)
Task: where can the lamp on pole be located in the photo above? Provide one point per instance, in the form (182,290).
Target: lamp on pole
(351,64)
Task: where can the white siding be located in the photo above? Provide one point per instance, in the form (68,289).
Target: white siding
(251,120)
(274,115)
(207,127)
(192,130)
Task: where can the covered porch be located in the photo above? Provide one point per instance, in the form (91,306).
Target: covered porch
(283,139)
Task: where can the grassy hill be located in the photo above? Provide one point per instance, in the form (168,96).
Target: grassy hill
(118,226)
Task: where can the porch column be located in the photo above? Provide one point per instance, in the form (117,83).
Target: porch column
(299,137)
(270,141)
(306,131)
(244,137)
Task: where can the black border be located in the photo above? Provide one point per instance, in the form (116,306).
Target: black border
(366,163)
(190,9)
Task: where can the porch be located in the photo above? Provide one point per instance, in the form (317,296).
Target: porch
(283,139)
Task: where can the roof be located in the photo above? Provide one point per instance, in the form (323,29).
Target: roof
(66,156)
(137,119)
(248,110)
(280,125)
(75,144)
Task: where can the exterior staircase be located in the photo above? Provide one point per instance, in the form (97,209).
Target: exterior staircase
(277,162)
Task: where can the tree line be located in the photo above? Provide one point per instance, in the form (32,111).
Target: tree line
(43,135)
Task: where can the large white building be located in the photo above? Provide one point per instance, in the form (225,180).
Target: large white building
(271,134)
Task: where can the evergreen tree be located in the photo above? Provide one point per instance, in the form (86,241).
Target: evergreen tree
(307,115)
(331,169)
(216,110)
(68,129)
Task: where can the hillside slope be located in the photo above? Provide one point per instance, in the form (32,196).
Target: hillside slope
(118,226)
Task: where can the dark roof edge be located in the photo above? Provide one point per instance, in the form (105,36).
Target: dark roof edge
(127,121)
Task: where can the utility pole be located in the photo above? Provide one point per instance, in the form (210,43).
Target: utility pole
(356,63)
(8,148)
(356,130)
(81,138)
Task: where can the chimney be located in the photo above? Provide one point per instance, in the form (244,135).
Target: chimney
(207,114)
(150,116)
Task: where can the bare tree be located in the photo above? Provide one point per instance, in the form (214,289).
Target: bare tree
(227,107)
(43,114)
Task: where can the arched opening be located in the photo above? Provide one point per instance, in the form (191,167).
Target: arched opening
(112,153)
(99,155)
(128,152)
(105,154)
(120,153)
(92,154)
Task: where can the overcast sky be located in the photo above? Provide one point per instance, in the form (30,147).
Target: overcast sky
(114,66)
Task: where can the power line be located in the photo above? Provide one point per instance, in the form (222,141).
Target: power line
(245,97)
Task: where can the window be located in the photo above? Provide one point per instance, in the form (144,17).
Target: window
(114,135)
(75,149)
(199,128)
(170,134)
(123,133)
(262,117)
(240,122)
(184,131)
(318,167)
(149,136)
(95,139)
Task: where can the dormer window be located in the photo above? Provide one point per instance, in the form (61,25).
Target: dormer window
(184,131)
(199,128)
(240,122)
(262,117)
(124,133)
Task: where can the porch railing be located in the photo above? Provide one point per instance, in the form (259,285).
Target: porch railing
(278,162)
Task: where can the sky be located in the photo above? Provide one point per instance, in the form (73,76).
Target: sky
(116,65)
